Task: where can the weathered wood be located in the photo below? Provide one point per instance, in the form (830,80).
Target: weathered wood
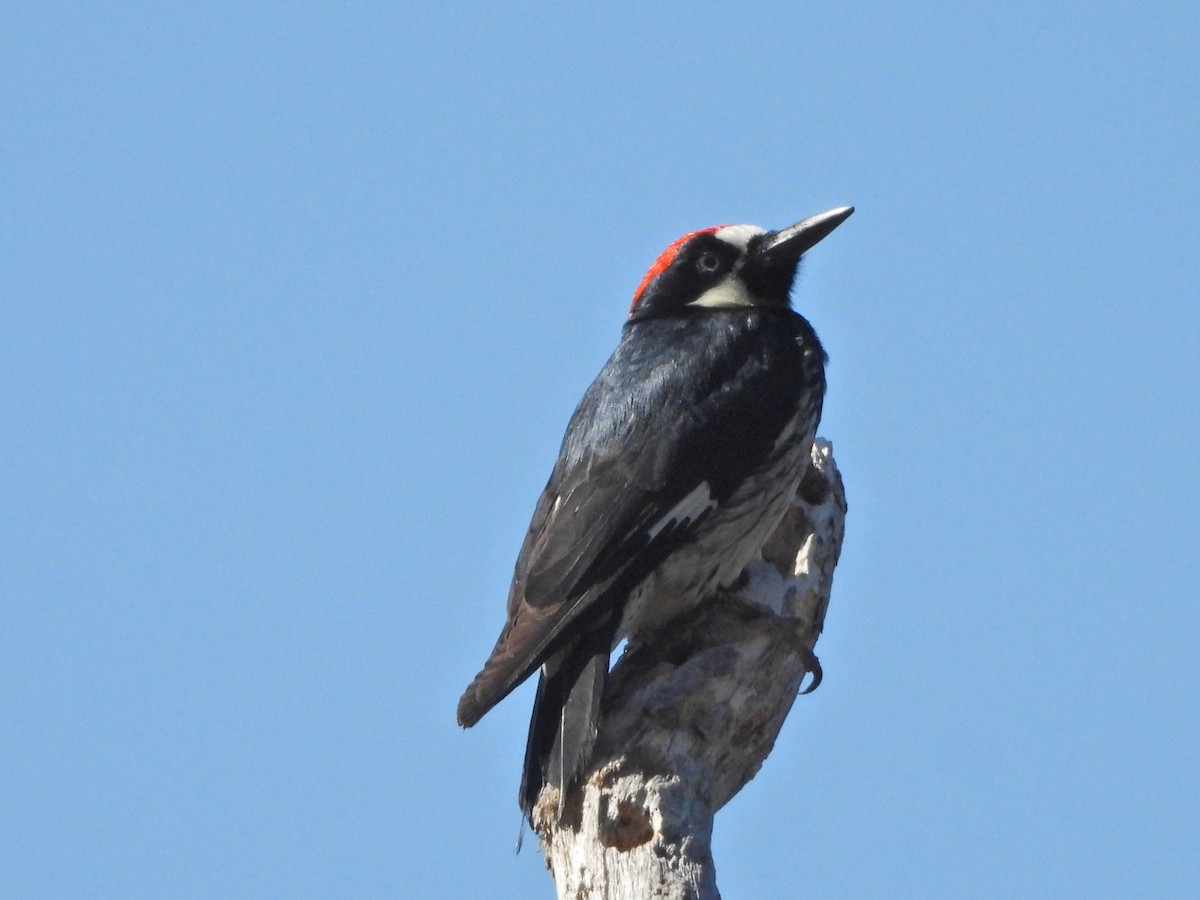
(690,716)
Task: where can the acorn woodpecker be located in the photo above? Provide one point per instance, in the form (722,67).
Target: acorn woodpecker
(678,463)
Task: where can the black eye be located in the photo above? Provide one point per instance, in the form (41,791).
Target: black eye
(708,262)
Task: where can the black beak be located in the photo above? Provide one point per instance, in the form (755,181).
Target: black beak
(770,268)
(789,243)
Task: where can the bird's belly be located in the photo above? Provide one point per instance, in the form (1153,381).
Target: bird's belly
(725,542)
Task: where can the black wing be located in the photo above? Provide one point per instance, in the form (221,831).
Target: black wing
(592,539)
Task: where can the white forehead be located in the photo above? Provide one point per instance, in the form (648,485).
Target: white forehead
(738,235)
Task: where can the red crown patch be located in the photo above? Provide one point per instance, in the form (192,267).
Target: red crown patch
(665,259)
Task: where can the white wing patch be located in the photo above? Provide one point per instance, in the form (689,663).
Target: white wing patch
(689,509)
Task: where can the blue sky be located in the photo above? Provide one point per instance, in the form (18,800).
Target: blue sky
(297,304)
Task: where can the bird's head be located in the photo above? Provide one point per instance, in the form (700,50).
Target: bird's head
(729,266)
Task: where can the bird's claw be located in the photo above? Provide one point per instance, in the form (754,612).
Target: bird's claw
(812,666)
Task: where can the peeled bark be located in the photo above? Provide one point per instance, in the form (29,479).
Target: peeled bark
(689,717)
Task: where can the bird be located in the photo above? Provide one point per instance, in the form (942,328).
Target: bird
(679,461)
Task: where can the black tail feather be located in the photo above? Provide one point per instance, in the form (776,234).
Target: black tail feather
(566,716)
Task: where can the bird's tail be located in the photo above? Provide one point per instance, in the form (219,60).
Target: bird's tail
(566,718)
